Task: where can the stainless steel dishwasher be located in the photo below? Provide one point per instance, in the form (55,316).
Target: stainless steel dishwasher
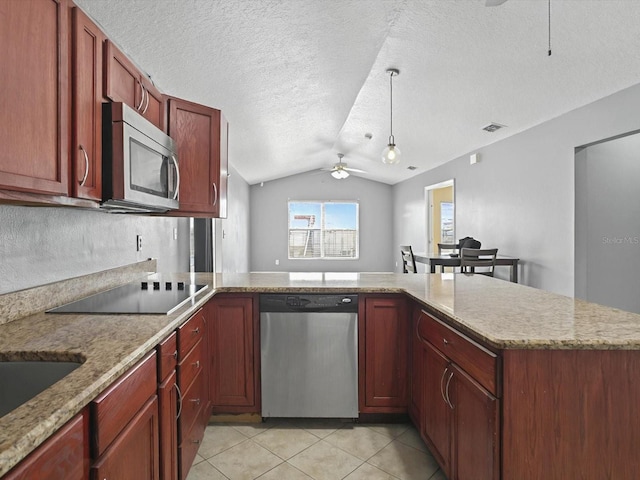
(309,354)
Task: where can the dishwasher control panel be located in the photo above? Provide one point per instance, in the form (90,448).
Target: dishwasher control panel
(285,302)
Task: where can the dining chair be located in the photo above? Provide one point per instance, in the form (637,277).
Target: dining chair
(485,258)
(408,260)
(447,246)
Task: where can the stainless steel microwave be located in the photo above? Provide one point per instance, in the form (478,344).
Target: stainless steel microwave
(140,171)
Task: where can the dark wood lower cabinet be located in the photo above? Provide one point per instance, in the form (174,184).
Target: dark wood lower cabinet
(65,455)
(168,424)
(134,454)
(383,338)
(235,353)
(436,420)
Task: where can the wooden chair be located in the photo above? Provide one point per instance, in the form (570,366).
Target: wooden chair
(408,260)
(470,258)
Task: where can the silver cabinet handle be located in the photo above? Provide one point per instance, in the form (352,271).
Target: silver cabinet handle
(86,166)
(175,354)
(442,385)
(197,364)
(418,326)
(175,163)
(195,400)
(447,391)
(215,194)
(139,107)
(196,330)
(196,441)
(146,105)
(179,401)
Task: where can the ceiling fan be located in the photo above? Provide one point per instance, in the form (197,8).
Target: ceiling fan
(340,170)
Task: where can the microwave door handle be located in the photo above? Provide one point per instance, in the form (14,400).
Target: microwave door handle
(175,163)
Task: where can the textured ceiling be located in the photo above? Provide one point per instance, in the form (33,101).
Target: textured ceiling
(301,80)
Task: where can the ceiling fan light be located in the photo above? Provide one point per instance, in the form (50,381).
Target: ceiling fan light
(391,154)
(340,174)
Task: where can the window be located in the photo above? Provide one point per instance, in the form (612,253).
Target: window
(323,230)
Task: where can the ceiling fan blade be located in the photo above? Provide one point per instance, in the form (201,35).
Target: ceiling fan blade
(356,170)
(328,169)
(493,3)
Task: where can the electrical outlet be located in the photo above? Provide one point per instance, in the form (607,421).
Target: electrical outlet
(138,243)
(175,233)
(277,262)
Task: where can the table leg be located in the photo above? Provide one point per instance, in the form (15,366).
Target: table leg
(514,272)
(432,267)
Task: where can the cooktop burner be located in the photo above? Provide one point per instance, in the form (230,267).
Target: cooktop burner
(147,297)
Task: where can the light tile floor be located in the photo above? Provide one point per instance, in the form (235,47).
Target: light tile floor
(304,449)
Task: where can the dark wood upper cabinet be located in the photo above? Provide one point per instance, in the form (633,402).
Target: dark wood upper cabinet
(383,340)
(124,82)
(34,88)
(200,133)
(86,146)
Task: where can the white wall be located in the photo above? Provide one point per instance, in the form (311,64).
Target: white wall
(269,222)
(39,245)
(520,196)
(608,223)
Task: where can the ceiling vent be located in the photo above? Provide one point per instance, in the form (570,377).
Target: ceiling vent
(412,167)
(492,127)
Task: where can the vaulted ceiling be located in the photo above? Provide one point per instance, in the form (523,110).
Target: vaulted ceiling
(302,80)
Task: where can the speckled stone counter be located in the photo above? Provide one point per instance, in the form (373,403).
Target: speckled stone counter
(502,314)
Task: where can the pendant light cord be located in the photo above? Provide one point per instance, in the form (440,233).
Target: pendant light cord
(549,25)
(391,139)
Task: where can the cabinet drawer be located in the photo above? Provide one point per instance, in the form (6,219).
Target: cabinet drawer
(193,400)
(472,357)
(167,356)
(191,366)
(189,333)
(119,403)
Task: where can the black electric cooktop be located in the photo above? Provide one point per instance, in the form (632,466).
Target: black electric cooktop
(146,297)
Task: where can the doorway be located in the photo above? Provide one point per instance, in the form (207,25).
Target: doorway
(440,210)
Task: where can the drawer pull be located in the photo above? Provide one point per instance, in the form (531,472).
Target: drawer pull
(175,354)
(197,364)
(196,441)
(195,400)
(445,341)
(196,331)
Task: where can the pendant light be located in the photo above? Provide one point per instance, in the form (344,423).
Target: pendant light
(391,154)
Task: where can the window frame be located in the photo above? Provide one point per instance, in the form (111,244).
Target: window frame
(322,229)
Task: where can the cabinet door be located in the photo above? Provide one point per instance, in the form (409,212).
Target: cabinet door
(196,130)
(153,108)
(134,453)
(168,428)
(386,326)
(86,149)
(35,96)
(416,376)
(121,78)
(436,431)
(475,429)
(63,455)
(234,354)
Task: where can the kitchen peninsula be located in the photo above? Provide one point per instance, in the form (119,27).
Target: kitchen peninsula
(558,376)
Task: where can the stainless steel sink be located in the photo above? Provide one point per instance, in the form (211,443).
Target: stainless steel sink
(20,381)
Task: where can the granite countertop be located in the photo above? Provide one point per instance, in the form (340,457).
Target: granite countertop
(502,314)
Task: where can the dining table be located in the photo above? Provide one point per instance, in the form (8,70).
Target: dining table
(453,260)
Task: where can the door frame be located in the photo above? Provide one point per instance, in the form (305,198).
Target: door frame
(428,199)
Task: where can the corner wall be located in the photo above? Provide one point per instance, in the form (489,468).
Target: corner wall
(520,196)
